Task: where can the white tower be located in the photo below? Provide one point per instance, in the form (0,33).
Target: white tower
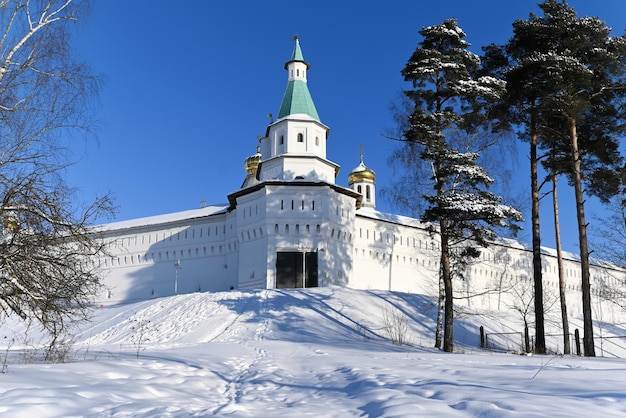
(294,224)
(294,146)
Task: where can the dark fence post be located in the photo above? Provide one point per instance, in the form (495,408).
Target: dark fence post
(482,337)
(577,337)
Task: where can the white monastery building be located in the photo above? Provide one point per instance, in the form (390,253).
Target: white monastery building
(291,226)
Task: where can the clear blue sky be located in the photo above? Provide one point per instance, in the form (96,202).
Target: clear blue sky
(188,86)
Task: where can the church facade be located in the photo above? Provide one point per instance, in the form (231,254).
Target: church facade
(291,226)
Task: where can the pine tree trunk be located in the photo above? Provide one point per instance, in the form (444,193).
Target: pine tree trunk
(540,339)
(583,244)
(559,260)
(448,337)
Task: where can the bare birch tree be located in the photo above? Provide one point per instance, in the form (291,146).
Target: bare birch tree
(45,102)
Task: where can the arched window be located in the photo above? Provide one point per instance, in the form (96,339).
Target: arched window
(367,192)
(282,140)
(300,137)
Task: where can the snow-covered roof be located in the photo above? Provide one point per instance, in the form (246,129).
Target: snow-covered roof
(390,217)
(166,218)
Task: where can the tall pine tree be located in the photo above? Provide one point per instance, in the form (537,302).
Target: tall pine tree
(565,86)
(449,110)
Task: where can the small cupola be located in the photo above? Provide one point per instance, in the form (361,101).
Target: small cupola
(251,165)
(363,181)
(252,162)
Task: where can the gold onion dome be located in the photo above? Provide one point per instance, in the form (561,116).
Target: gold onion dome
(252,162)
(361,173)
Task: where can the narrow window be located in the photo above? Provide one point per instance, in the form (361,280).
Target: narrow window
(300,137)
(313,205)
(367,193)
(317,141)
(282,205)
(282,140)
(287,229)
(297,228)
(359,189)
(276,228)
(302,205)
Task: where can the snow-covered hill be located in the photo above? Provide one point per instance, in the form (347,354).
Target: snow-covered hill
(291,353)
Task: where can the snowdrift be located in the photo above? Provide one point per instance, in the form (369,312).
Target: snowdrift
(322,352)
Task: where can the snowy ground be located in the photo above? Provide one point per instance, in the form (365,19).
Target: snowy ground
(319,353)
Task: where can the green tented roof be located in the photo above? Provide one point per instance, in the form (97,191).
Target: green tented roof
(297,99)
(297,53)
